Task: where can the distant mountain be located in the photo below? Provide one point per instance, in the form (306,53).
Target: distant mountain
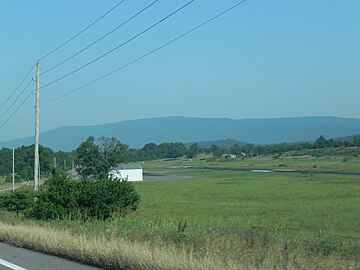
(137,133)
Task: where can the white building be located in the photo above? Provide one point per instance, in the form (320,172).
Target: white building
(129,173)
(229,156)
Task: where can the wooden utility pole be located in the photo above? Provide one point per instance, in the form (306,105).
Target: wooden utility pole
(37,110)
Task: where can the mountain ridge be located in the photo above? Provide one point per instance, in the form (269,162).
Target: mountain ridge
(136,133)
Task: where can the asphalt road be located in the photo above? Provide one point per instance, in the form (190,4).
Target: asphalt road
(271,170)
(9,187)
(13,258)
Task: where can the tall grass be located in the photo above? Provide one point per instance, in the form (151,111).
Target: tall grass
(110,251)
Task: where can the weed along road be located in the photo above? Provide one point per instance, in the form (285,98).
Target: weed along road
(22,259)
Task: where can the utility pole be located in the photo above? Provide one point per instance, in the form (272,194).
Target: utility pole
(37,110)
(13,174)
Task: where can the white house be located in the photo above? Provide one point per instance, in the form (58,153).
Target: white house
(129,173)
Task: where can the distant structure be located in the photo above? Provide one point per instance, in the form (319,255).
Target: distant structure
(229,156)
(130,173)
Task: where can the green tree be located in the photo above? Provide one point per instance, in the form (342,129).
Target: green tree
(112,151)
(94,160)
(175,150)
(356,140)
(321,142)
(24,161)
(149,152)
(65,159)
(88,159)
(216,151)
(193,151)
(249,150)
(236,149)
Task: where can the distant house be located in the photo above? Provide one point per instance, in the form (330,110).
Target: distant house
(229,156)
(129,173)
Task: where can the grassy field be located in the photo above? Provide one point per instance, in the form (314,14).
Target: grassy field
(234,219)
(225,199)
(2,180)
(337,163)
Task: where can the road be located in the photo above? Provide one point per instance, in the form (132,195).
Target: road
(8,187)
(13,258)
(271,170)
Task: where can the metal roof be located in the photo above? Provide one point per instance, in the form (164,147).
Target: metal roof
(126,167)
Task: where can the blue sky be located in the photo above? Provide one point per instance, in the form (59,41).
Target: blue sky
(263,59)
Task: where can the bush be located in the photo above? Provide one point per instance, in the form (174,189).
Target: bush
(17,201)
(57,200)
(86,199)
(102,199)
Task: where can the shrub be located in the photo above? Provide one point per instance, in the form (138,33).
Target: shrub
(57,200)
(102,199)
(17,201)
(86,199)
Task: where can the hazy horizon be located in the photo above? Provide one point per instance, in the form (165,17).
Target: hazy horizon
(260,60)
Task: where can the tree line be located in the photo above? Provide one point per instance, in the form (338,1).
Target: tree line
(94,157)
(273,149)
(24,161)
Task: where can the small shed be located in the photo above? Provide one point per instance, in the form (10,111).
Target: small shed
(128,172)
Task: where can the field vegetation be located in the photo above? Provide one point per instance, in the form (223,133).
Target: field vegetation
(219,219)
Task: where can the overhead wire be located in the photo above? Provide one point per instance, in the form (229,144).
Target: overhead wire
(101,38)
(82,31)
(147,54)
(14,91)
(8,119)
(128,64)
(45,56)
(17,123)
(119,46)
(16,99)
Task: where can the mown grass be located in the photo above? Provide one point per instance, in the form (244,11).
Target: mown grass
(234,220)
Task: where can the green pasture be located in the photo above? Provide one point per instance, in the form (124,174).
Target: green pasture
(334,163)
(293,203)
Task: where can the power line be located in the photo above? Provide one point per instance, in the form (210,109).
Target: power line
(17,123)
(8,119)
(124,66)
(119,46)
(101,38)
(147,54)
(82,31)
(16,99)
(17,87)
(48,54)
